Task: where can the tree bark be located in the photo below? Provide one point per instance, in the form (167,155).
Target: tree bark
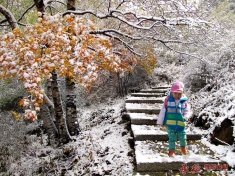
(49,125)
(60,119)
(71,5)
(122,84)
(71,112)
(40,5)
(9,17)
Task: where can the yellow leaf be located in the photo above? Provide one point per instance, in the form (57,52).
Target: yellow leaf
(16,115)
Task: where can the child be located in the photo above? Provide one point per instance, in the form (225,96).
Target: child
(174,114)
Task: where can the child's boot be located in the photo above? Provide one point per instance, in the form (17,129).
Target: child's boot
(184,150)
(171,153)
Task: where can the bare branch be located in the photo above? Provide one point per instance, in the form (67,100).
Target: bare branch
(109,5)
(138,23)
(50,2)
(183,53)
(105,31)
(50,6)
(3,21)
(9,17)
(25,12)
(124,43)
(119,5)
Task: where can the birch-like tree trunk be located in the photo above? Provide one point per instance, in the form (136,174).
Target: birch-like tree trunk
(49,125)
(59,130)
(59,116)
(71,112)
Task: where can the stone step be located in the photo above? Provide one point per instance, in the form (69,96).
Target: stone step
(159,133)
(142,118)
(154,91)
(161,87)
(142,94)
(145,100)
(143,108)
(152,157)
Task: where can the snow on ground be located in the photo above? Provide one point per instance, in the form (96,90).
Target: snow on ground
(223,152)
(101,148)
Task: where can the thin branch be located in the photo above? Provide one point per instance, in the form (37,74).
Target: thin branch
(50,6)
(119,5)
(25,13)
(3,21)
(105,31)
(50,2)
(22,24)
(109,5)
(124,43)
(183,53)
(221,142)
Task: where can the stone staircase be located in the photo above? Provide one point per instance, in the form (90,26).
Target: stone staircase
(151,140)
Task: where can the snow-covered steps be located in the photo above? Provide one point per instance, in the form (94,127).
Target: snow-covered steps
(145,100)
(142,118)
(151,141)
(143,108)
(142,94)
(162,87)
(152,157)
(154,90)
(159,133)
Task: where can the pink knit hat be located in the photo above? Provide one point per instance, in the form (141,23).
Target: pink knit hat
(177,87)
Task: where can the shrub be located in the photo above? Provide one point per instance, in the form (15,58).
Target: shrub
(11,91)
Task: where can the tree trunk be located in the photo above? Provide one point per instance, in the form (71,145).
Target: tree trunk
(40,5)
(49,125)
(47,114)
(59,116)
(122,84)
(71,112)
(9,17)
(71,5)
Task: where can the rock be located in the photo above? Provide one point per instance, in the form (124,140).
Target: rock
(107,172)
(124,133)
(131,153)
(108,162)
(131,142)
(128,126)
(125,117)
(224,133)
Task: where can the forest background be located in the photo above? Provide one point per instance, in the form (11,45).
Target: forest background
(59,58)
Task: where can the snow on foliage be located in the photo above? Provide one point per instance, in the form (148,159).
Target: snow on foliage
(56,44)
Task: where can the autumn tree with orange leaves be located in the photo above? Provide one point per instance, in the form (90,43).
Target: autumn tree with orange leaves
(59,45)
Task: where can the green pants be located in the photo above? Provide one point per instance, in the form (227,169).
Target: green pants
(175,136)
